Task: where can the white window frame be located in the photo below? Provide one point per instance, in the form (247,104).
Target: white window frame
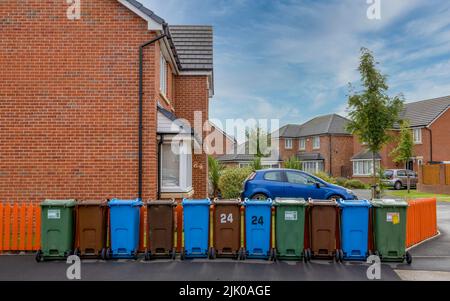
(244,165)
(163,75)
(364,167)
(288,143)
(417,136)
(314,166)
(316,139)
(185,168)
(302,144)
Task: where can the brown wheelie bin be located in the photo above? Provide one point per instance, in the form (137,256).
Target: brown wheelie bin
(160,238)
(324,229)
(91,220)
(226,229)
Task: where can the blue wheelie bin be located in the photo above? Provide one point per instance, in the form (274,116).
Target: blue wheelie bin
(195,228)
(354,228)
(258,216)
(124,228)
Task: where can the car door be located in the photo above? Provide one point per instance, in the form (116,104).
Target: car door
(300,185)
(412,178)
(274,183)
(401,176)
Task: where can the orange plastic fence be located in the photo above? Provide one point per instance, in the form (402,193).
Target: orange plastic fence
(20,224)
(421,222)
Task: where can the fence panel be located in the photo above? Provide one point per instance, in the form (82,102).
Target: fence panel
(421,222)
(431,174)
(447,174)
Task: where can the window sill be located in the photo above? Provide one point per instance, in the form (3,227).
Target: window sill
(418,143)
(165,98)
(176,193)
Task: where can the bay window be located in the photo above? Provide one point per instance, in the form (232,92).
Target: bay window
(312,166)
(176,166)
(364,167)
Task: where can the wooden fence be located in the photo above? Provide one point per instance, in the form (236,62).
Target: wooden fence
(434,178)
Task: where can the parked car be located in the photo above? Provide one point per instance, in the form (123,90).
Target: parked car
(398,178)
(273,183)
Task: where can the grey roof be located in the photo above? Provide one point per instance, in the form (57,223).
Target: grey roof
(310,156)
(194,46)
(146,11)
(365,155)
(183,125)
(328,124)
(241,154)
(422,113)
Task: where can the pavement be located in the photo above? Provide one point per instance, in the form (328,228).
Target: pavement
(431,261)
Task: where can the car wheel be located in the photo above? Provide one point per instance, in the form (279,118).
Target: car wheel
(335,197)
(259,197)
(398,185)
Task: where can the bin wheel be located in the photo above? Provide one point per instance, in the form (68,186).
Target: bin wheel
(408,258)
(183,254)
(135,254)
(212,253)
(308,254)
(108,253)
(39,257)
(377,254)
(68,253)
(77,252)
(243,254)
(337,256)
(103,254)
(147,255)
(274,255)
(271,255)
(174,254)
(341,256)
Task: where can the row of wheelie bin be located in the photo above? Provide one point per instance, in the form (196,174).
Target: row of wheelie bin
(303,229)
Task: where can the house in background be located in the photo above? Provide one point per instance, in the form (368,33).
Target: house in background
(79,122)
(430,124)
(242,157)
(220,142)
(322,144)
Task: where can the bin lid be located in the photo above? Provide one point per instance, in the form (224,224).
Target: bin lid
(389,203)
(161,202)
(227,202)
(354,203)
(117,202)
(204,202)
(267,202)
(290,202)
(322,202)
(58,203)
(92,203)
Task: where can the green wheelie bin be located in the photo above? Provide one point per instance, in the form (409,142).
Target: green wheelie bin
(389,225)
(57,229)
(290,229)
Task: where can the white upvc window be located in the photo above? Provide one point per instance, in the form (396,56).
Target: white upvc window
(176,166)
(163,75)
(312,166)
(288,143)
(302,144)
(316,142)
(417,136)
(364,167)
(244,165)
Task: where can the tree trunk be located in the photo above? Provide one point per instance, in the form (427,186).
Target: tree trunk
(374,180)
(408,181)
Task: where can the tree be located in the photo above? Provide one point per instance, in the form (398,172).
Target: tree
(371,111)
(258,140)
(293,163)
(256,164)
(404,150)
(214,172)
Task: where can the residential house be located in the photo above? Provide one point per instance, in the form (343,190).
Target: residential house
(322,144)
(430,126)
(90,105)
(218,142)
(243,156)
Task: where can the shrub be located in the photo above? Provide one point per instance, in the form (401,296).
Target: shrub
(324,176)
(355,184)
(341,181)
(230,182)
(214,170)
(256,164)
(293,163)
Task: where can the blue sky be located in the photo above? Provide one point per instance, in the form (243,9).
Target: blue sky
(293,59)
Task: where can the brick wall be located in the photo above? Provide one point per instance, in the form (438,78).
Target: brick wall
(69,102)
(441,137)
(191,96)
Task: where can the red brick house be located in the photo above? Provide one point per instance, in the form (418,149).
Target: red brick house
(321,144)
(430,123)
(77,117)
(218,143)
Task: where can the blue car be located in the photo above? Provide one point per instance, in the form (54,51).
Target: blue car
(289,183)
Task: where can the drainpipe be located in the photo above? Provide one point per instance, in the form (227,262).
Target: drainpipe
(431,143)
(160,142)
(331,156)
(141,109)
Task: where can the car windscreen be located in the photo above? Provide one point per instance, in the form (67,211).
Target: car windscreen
(388,174)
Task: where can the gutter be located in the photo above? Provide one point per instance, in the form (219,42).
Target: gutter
(141,107)
(431,143)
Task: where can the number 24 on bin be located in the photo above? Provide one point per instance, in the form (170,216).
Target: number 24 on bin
(257,220)
(224,218)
